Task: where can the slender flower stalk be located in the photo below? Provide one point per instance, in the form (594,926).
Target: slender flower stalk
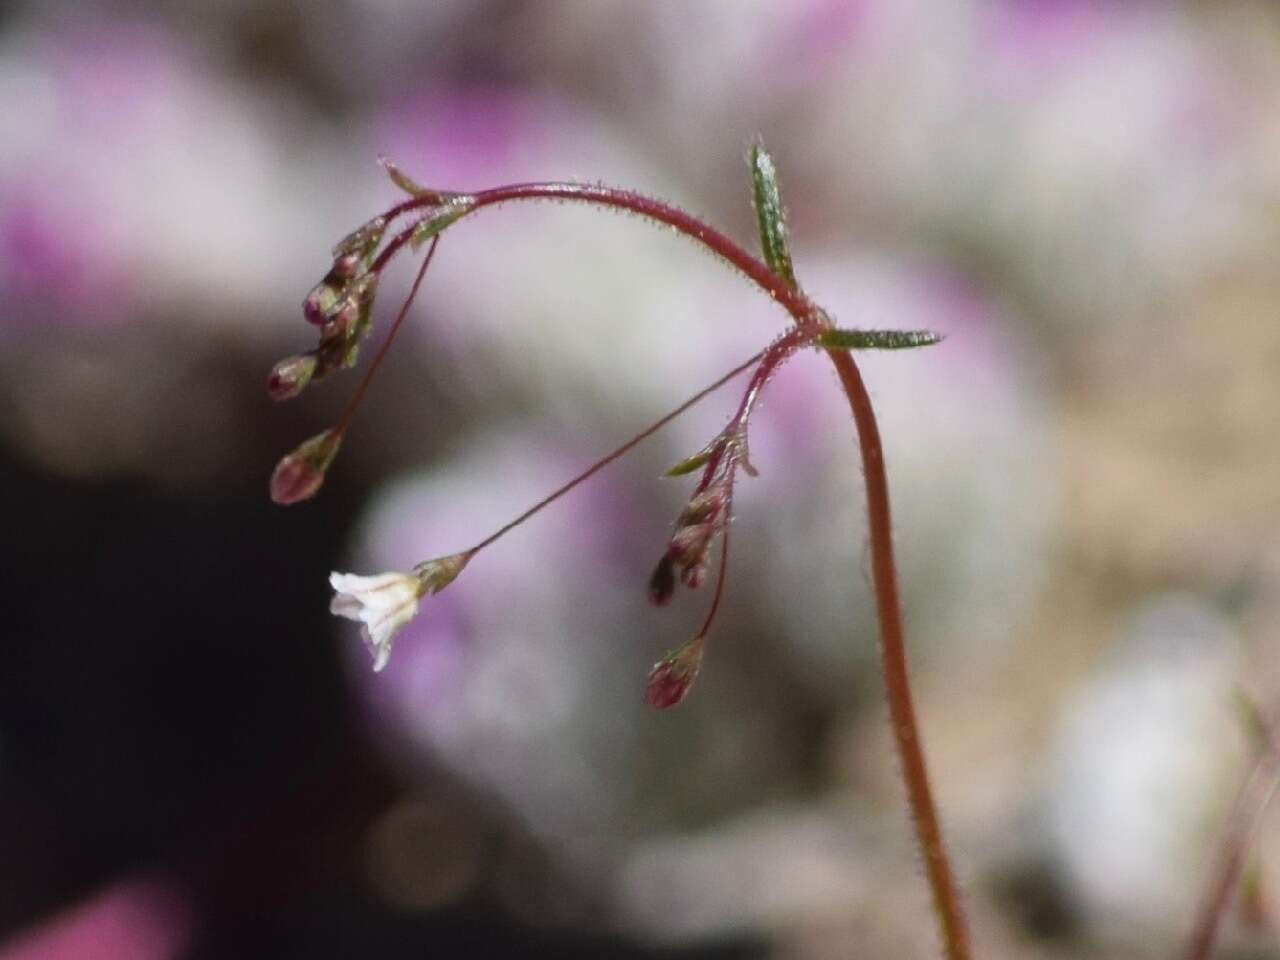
(1256,793)
(706,515)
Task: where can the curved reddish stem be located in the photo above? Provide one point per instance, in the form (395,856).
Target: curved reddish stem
(902,714)
(906,733)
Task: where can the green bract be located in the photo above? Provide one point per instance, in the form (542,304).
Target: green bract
(770,216)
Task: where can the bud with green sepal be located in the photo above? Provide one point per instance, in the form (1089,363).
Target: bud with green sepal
(672,677)
(291,375)
(301,473)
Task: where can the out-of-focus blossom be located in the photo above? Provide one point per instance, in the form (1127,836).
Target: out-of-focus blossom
(130,920)
(787,865)
(1042,33)
(143,175)
(1145,760)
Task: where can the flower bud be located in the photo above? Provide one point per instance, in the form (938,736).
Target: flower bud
(300,474)
(348,316)
(662,584)
(693,575)
(290,376)
(672,676)
(363,240)
(705,507)
(345,266)
(689,544)
(320,301)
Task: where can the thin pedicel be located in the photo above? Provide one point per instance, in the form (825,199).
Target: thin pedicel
(341,307)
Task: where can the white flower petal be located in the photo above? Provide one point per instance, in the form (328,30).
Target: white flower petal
(382,603)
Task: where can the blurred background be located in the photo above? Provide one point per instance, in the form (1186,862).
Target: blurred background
(195,758)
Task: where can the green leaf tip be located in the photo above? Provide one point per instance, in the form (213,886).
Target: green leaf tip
(401,179)
(769,214)
(687,465)
(699,459)
(876,339)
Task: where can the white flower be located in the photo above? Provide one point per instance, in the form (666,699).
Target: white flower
(382,604)
(385,602)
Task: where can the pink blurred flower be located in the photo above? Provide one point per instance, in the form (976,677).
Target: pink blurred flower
(1045,32)
(468,137)
(137,919)
(51,251)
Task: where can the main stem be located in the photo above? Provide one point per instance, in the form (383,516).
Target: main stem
(902,714)
(906,732)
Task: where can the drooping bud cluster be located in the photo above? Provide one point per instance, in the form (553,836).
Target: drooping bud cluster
(341,303)
(686,555)
(703,517)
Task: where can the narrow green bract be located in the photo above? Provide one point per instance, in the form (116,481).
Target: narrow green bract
(769,215)
(876,339)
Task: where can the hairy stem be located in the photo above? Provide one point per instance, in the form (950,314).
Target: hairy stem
(902,714)
(906,733)
(1233,848)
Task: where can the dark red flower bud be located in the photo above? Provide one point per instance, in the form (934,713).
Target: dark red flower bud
(662,584)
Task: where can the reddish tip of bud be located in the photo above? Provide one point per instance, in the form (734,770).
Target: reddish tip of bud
(662,584)
(295,480)
(290,376)
(300,474)
(672,677)
(319,302)
(694,574)
(345,266)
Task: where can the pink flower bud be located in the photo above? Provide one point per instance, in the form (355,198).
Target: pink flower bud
(673,675)
(319,302)
(706,507)
(693,575)
(300,474)
(689,544)
(290,376)
(345,266)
